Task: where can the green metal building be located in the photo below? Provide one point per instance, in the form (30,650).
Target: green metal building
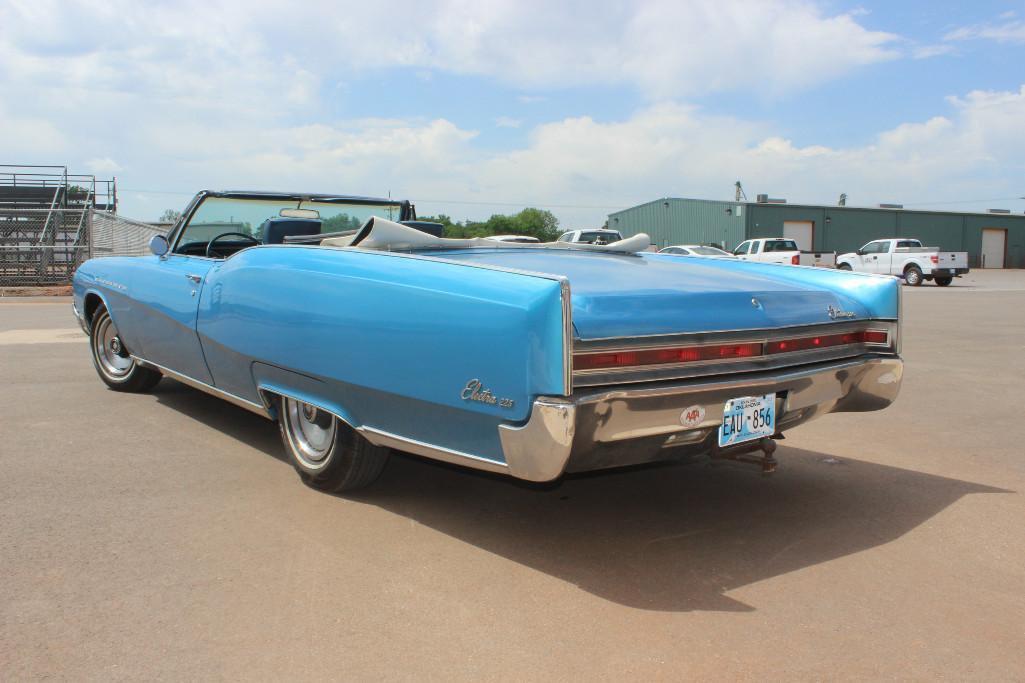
(992,240)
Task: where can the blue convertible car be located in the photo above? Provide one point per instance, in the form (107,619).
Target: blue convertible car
(359,331)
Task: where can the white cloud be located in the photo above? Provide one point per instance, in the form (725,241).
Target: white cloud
(261,52)
(103,166)
(1011,31)
(929,51)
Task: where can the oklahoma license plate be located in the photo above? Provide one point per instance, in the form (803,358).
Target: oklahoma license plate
(747,418)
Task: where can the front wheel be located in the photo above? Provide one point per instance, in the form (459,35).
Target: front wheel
(943,281)
(328,454)
(114,364)
(913,276)
(844,266)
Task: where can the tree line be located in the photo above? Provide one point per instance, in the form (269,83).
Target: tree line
(534,222)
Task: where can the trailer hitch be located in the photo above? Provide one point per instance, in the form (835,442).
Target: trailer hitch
(747,453)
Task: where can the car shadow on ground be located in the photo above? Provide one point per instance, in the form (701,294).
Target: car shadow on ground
(663,537)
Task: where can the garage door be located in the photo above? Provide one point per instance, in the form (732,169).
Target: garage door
(800,232)
(993,240)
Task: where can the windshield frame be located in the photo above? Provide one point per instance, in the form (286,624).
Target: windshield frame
(406,210)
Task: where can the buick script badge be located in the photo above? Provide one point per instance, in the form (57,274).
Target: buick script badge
(839,313)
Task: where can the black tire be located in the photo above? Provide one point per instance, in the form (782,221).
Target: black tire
(943,281)
(844,266)
(913,276)
(327,453)
(112,359)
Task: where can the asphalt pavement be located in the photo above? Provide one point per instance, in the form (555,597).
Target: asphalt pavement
(164,536)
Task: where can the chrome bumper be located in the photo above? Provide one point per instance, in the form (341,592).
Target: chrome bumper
(614,427)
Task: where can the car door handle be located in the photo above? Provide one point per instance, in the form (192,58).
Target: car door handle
(195,278)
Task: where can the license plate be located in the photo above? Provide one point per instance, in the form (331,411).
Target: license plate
(747,418)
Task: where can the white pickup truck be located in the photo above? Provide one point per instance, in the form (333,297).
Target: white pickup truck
(782,250)
(908,259)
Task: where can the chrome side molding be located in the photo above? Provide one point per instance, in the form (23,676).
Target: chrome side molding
(257,408)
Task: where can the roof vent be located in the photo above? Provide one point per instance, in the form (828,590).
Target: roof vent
(891,206)
(766,199)
(999,210)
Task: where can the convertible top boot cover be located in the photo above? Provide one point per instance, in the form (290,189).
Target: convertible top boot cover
(382,234)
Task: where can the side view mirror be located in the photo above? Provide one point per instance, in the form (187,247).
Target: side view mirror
(158,245)
(859,252)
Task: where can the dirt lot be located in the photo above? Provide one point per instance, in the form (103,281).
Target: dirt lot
(163,536)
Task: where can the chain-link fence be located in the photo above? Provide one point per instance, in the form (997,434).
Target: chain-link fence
(113,235)
(41,246)
(45,246)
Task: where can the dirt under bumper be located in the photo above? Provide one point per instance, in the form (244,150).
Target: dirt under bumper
(603,427)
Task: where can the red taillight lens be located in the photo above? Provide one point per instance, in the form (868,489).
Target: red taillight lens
(935,258)
(875,337)
(826,340)
(683,354)
(606,360)
(795,260)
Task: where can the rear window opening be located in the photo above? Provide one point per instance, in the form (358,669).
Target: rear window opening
(780,245)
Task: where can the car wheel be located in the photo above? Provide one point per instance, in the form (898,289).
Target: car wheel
(328,454)
(114,364)
(844,266)
(913,276)
(944,281)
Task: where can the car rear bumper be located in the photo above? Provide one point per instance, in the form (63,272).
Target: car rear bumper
(603,427)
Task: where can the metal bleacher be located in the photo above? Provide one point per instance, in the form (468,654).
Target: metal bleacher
(44,222)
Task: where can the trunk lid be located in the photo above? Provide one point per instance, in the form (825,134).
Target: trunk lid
(650,294)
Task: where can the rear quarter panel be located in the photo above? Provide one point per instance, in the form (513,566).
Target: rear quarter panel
(386,341)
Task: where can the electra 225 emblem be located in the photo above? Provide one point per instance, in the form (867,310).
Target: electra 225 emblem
(839,313)
(476,391)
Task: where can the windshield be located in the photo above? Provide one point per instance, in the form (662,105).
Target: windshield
(709,251)
(217,215)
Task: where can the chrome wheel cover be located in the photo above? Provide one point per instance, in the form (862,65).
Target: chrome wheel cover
(311,433)
(110,353)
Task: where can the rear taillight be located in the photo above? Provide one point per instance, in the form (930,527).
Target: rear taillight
(827,340)
(935,258)
(683,354)
(607,360)
(795,260)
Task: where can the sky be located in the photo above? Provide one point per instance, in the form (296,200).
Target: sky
(471,108)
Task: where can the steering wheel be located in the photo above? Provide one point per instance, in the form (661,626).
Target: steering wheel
(210,251)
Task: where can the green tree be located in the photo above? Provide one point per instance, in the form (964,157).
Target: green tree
(534,222)
(169,216)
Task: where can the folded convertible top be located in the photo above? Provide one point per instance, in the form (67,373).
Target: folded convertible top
(384,235)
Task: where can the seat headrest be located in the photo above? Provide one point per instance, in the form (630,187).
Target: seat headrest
(274,230)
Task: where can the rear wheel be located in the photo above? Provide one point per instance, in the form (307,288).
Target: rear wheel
(913,276)
(328,454)
(944,281)
(114,364)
